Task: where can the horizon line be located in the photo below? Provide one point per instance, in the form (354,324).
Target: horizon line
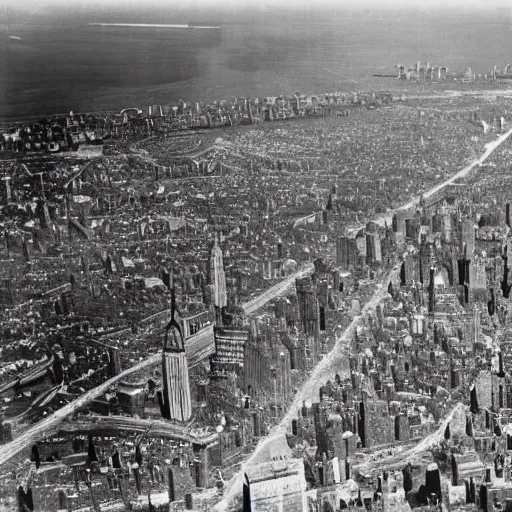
(152,25)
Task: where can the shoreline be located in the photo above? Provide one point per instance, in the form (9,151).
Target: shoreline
(6,120)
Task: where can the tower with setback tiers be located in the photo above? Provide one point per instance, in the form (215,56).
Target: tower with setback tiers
(174,399)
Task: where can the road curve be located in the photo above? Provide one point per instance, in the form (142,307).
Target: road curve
(336,361)
(414,453)
(490,148)
(277,290)
(36,431)
(198,347)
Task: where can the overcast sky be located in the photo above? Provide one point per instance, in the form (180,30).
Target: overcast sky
(41,4)
(164,11)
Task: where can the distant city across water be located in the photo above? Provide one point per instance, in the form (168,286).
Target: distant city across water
(110,63)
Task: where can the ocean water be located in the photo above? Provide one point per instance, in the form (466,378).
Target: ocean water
(71,65)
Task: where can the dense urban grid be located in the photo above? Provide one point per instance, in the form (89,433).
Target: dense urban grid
(295,303)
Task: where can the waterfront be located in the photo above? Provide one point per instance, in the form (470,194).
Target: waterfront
(86,68)
(257,303)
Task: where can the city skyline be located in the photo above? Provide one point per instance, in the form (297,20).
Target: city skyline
(255,256)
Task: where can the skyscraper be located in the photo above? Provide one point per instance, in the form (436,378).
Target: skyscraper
(174,399)
(467,236)
(346,252)
(431,292)
(218,279)
(308,305)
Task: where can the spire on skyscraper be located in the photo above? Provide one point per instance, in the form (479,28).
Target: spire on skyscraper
(173,333)
(217,277)
(174,399)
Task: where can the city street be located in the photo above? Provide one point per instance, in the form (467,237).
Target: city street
(199,347)
(337,361)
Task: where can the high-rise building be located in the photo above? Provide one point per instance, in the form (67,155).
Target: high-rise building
(341,251)
(8,190)
(218,279)
(320,417)
(377,247)
(229,350)
(361,247)
(468,237)
(399,220)
(373,248)
(425,262)
(346,252)
(446,222)
(308,306)
(410,270)
(431,292)
(174,399)
(276,485)
(280,250)
(464,266)
(437,223)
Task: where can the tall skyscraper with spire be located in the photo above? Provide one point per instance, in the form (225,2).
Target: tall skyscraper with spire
(218,279)
(174,399)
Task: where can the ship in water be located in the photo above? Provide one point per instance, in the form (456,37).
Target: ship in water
(142,54)
(198,34)
(157,25)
